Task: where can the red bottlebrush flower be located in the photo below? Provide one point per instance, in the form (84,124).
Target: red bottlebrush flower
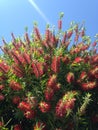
(89,85)
(36,30)
(29,114)
(85,47)
(17,127)
(17,71)
(76,38)
(53,40)
(40,51)
(1,87)
(3,40)
(15,85)
(37,69)
(94,44)
(75,50)
(44,107)
(65,59)
(70,104)
(40,126)
(16,99)
(5,50)
(27,58)
(70,77)
(78,60)
(49,92)
(64,38)
(40,68)
(47,33)
(4,67)
(27,38)
(60,109)
(65,104)
(45,43)
(2,97)
(18,59)
(55,66)
(60,24)
(82,33)
(13,37)
(19,44)
(24,106)
(15,46)
(69,34)
(1,124)
(52,81)
(83,75)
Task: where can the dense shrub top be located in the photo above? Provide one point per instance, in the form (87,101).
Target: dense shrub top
(49,82)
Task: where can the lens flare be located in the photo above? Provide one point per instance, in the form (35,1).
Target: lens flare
(39,10)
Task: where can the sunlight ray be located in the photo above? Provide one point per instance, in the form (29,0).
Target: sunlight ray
(39,10)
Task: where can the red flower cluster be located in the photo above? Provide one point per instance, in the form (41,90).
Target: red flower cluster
(55,66)
(4,67)
(52,87)
(89,85)
(37,68)
(29,113)
(15,85)
(70,77)
(44,107)
(65,104)
(24,106)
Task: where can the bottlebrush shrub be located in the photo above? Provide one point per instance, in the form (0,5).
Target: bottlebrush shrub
(49,82)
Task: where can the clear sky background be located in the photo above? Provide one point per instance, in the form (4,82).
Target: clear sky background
(15,15)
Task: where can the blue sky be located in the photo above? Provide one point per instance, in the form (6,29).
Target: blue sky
(15,15)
